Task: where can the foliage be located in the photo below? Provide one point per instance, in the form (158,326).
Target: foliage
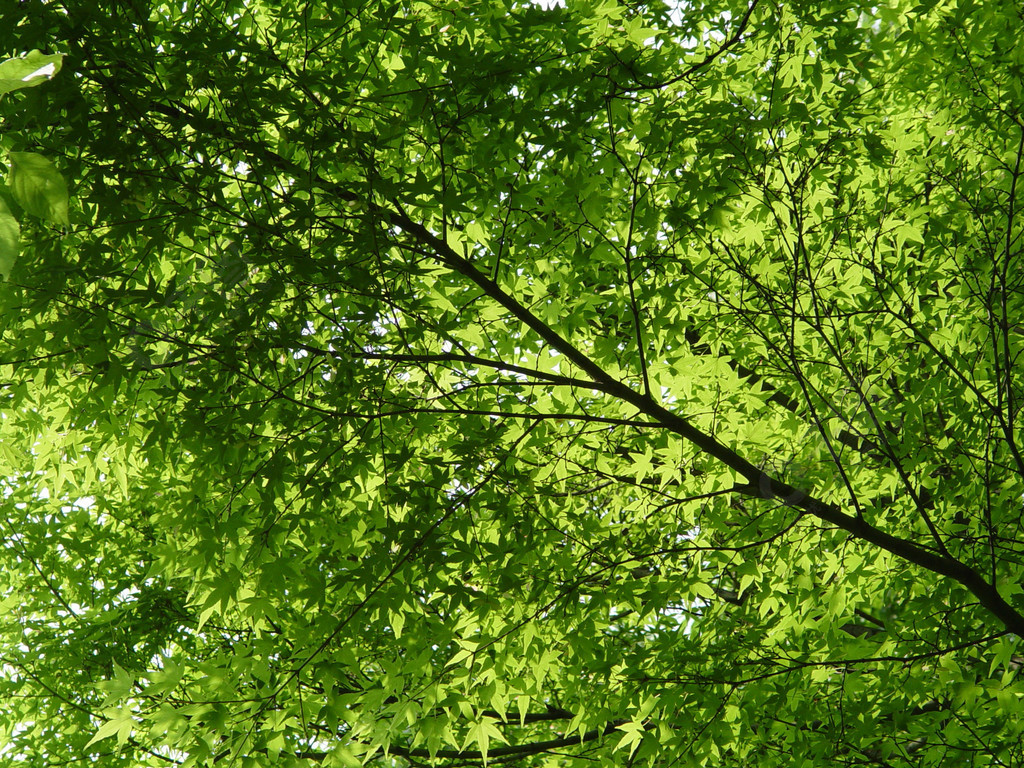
(461,382)
(32,181)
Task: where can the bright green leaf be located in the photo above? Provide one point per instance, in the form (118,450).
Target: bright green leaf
(29,70)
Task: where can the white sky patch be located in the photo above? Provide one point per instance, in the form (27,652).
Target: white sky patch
(46,70)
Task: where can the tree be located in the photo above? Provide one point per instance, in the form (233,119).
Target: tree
(462,382)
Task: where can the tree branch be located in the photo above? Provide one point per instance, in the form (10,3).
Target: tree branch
(758,484)
(518,750)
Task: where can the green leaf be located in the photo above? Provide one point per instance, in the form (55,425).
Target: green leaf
(397,619)
(38,187)
(117,688)
(632,735)
(29,70)
(9,240)
(120,725)
(482,733)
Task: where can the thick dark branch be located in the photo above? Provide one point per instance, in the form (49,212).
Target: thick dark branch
(550,714)
(758,484)
(474,755)
(517,750)
(608,384)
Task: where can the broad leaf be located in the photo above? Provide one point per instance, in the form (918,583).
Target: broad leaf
(38,187)
(9,240)
(29,70)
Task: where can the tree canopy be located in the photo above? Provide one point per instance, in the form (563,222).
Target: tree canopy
(461,382)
